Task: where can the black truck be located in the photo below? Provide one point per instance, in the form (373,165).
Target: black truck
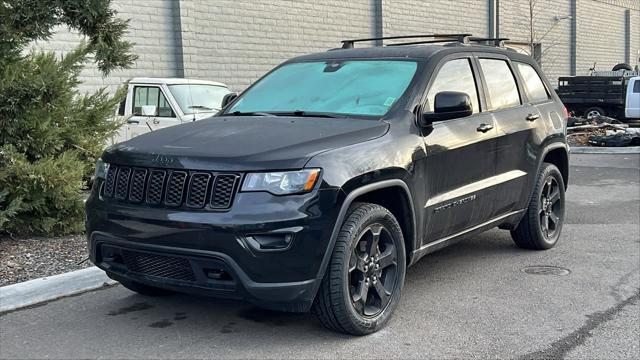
(608,93)
(320,184)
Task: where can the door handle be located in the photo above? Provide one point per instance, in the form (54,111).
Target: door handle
(156,121)
(532,117)
(483,128)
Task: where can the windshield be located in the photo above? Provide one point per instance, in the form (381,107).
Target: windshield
(197,98)
(353,87)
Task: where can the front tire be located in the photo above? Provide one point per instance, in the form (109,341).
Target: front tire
(540,227)
(362,285)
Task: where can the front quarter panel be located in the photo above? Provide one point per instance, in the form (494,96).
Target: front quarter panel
(398,155)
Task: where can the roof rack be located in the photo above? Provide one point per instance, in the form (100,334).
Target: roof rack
(461,38)
(495,41)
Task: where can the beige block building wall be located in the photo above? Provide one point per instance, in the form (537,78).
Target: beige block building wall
(237,41)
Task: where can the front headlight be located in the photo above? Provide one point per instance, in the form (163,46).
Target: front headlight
(282,183)
(102,168)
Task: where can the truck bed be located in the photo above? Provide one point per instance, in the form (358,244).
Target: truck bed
(592,89)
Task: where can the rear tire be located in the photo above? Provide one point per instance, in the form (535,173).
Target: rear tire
(594,112)
(541,225)
(144,289)
(362,285)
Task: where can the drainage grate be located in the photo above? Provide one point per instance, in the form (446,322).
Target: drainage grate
(546,270)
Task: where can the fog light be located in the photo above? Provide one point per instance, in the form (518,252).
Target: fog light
(270,242)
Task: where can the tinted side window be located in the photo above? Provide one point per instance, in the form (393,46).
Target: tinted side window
(636,86)
(455,75)
(533,85)
(503,91)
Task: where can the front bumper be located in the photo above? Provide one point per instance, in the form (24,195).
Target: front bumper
(211,253)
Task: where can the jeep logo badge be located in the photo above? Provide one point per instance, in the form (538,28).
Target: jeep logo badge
(162,160)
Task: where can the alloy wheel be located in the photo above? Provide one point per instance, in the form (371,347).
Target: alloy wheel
(551,208)
(593,113)
(373,270)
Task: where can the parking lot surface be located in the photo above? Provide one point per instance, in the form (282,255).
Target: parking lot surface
(471,300)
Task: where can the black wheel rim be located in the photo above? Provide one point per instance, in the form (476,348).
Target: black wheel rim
(551,208)
(373,270)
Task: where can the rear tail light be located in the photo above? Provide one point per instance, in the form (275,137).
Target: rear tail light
(566,119)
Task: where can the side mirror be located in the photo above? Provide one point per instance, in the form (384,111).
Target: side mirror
(448,105)
(149,110)
(227,99)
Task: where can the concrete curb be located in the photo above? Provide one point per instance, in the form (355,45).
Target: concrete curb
(605,150)
(35,291)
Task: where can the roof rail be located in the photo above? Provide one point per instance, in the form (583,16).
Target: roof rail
(499,42)
(461,38)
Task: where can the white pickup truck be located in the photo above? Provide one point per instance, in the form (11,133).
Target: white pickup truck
(154,103)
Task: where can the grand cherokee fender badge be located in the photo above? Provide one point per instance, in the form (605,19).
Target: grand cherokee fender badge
(458,202)
(162,160)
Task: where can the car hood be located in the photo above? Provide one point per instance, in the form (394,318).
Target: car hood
(243,143)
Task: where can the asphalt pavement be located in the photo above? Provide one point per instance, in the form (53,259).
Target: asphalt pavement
(471,300)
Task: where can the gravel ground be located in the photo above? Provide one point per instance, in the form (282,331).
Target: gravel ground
(23,259)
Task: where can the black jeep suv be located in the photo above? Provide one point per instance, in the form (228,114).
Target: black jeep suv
(321,183)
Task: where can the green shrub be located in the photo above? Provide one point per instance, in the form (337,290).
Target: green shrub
(52,137)
(42,196)
(50,134)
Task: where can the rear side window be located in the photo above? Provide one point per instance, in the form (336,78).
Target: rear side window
(503,91)
(454,75)
(636,86)
(533,85)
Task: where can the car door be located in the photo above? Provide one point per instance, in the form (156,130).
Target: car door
(460,155)
(517,123)
(145,97)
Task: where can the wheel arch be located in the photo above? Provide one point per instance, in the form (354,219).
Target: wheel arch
(558,155)
(396,199)
(374,192)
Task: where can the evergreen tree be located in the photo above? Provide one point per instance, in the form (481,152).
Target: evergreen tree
(50,134)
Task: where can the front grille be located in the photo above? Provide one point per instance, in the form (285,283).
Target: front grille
(158,265)
(175,188)
(171,188)
(223,191)
(156,184)
(110,181)
(136,192)
(198,186)
(122,183)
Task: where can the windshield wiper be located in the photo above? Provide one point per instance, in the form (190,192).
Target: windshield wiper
(200,107)
(241,113)
(299,113)
(308,114)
